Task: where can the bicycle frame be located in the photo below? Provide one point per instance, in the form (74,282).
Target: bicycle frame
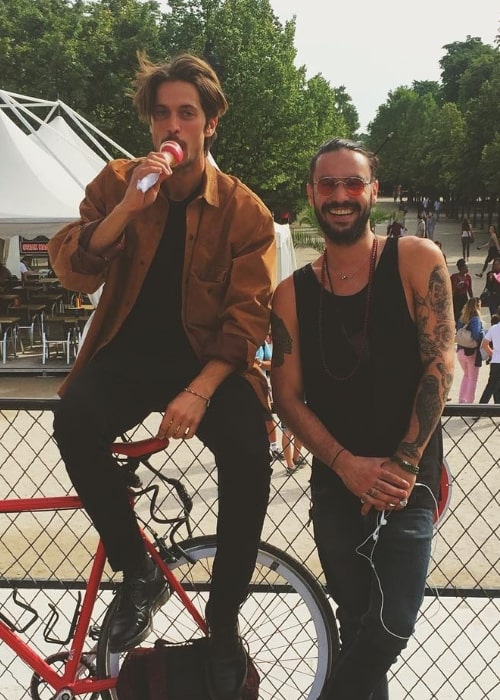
(68,680)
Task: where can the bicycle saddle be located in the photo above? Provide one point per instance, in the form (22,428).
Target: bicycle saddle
(139,448)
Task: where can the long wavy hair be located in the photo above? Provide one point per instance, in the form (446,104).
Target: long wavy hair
(471,308)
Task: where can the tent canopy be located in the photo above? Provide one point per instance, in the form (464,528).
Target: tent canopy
(45,164)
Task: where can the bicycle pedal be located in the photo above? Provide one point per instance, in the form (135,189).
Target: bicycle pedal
(95,632)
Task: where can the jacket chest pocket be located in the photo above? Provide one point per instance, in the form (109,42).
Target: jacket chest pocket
(206,294)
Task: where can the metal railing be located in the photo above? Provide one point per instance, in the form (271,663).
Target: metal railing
(454,653)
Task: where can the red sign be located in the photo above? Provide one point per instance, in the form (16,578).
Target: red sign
(37,246)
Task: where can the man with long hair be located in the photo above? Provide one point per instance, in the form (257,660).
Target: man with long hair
(189,261)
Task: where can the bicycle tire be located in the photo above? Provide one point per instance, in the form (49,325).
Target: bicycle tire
(286,621)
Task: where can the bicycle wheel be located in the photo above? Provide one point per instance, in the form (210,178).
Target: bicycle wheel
(286,621)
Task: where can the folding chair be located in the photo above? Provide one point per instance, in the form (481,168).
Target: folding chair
(56,333)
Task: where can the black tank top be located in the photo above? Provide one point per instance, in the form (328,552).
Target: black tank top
(367,410)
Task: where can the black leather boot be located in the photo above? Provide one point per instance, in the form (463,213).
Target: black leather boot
(225,662)
(139,599)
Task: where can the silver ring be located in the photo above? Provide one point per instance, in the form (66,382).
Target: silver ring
(362,500)
(371,492)
(403,502)
(391,505)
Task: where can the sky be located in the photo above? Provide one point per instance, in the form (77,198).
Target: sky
(373,47)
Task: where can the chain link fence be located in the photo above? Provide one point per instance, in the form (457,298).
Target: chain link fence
(45,556)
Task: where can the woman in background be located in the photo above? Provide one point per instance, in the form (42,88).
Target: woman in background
(467,237)
(461,288)
(493,286)
(493,248)
(469,359)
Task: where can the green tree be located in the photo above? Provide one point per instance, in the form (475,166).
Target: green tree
(396,159)
(39,46)
(115,30)
(460,55)
(82,53)
(345,107)
(276,117)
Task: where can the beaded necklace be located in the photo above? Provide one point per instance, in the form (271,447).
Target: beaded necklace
(325,274)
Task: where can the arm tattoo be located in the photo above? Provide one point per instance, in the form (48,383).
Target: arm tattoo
(434,337)
(428,408)
(446,378)
(438,338)
(282,341)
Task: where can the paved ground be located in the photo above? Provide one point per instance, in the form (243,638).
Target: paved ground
(34,380)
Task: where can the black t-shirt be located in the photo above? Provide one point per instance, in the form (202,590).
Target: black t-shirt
(153,331)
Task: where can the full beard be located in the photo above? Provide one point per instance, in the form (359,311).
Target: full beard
(343,236)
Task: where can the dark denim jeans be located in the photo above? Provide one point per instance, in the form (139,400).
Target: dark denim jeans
(377,605)
(105,400)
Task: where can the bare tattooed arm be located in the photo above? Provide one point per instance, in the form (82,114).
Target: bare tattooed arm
(432,306)
(282,341)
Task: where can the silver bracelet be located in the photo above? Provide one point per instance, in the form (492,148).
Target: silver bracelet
(200,396)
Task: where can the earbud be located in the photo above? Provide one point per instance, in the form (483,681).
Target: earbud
(383,520)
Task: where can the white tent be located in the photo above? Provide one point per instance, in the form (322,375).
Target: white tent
(45,164)
(285,251)
(37,195)
(61,142)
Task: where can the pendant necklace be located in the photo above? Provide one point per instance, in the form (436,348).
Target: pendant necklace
(325,275)
(344,275)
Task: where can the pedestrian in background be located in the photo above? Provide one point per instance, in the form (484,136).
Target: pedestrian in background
(431,224)
(469,359)
(437,208)
(493,248)
(467,237)
(421,231)
(492,287)
(461,288)
(263,360)
(491,346)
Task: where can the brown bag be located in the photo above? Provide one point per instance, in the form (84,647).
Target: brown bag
(171,671)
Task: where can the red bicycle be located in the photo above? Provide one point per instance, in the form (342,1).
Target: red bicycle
(286,620)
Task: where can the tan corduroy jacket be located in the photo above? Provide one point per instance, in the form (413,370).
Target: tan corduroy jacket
(228,274)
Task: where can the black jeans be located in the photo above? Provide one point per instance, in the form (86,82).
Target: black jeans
(465,247)
(104,401)
(492,387)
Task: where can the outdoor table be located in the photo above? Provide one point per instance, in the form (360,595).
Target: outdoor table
(51,296)
(80,310)
(50,280)
(30,308)
(66,318)
(70,320)
(9,320)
